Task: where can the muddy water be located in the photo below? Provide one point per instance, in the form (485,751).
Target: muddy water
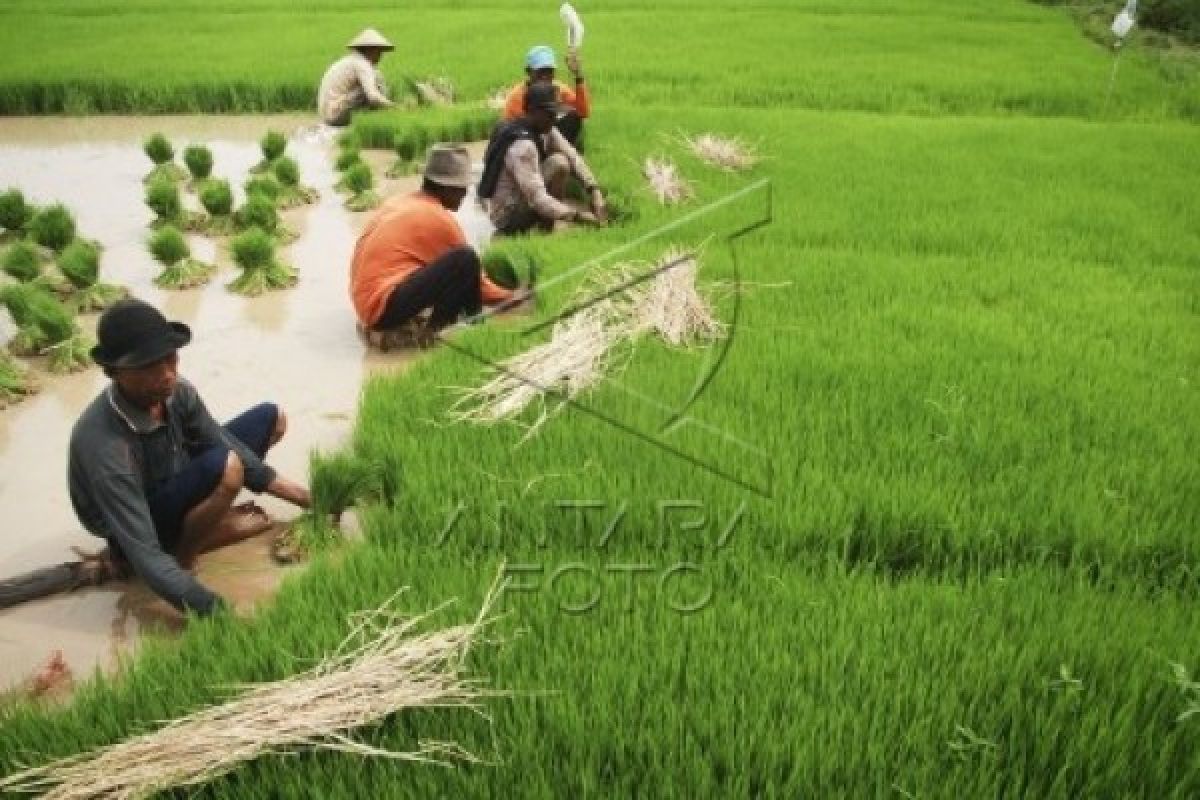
(297,348)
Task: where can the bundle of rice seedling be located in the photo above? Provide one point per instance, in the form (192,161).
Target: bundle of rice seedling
(359,182)
(665,181)
(573,360)
(437,91)
(384,666)
(15,213)
(259,211)
(348,158)
(405,167)
(670,306)
(263,186)
(16,383)
(53,227)
(726,153)
(273,145)
(291,193)
(216,196)
(254,253)
(199,161)
(80,265)
(160,151)
(162,197)
(180,270)
(337,482)
(44,327)
(22,262)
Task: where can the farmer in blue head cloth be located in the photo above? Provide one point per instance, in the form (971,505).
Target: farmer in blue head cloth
(150,471)
(540,66)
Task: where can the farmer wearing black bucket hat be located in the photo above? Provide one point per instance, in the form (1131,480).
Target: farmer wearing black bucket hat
(526,168)
(150,470)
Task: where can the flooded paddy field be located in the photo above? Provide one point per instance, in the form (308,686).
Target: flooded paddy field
(295,347)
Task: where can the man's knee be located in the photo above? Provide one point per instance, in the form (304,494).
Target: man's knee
(465,262)
(281,424)
(234,476)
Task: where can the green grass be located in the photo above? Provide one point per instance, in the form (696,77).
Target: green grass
(962,380)
(938,56)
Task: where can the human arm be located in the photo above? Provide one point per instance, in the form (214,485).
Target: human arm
(371,82)
(125,516)
(557,143)
(522,161)
(579,99)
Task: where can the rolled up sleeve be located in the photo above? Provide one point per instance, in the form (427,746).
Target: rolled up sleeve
(126,518)
(371,83)
(557,143)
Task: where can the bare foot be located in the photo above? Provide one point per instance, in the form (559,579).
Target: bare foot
(235,526)
(53,676)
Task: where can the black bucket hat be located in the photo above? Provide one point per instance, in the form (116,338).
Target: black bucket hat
(541,96)
(133,334)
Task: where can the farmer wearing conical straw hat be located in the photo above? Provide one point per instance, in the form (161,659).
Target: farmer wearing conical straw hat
(353,80)
(150,471)
(412,256)
(540,66)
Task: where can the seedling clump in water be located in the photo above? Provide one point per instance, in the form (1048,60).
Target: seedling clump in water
(359,182)
(160,151)
(22,262)
(180,270)
(45,327)
(162,197)
(254,252)
(15,213)
(273,145)
(53,227)
(199,161)
(259,212)
(216,196)
(16,383)
(291,193)
(265,186)
(80,264)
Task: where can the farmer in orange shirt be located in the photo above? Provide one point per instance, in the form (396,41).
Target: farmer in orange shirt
(413,256)
(539,68)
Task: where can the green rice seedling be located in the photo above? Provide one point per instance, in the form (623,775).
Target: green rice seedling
(44,327)
(162,197)
(53,227)
(435,91)
(15,213)
(340,480)
(264,186)
(259,211)
(159,150)
(404,168)
(216,197)
(273,145)
(180,270)
(16,383)
(500,267)
(199,161)
(291,193)
(22,262)
(80,265)
(359,182)
(348,158)
(254,253)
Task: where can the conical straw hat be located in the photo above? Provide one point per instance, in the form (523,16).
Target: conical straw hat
(370,38)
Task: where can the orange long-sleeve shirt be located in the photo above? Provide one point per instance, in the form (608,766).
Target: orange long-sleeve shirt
(407,233)
(578,99)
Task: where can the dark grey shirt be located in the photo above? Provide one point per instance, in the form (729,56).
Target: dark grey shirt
(118,452)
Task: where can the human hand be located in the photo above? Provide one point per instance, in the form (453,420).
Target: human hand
(290,491)
(573,63)
(599,207)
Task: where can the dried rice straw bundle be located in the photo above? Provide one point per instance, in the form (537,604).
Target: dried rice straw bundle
(729,154)
(381,668)
(574,359)
(665,181)
(671,306)
(437,91)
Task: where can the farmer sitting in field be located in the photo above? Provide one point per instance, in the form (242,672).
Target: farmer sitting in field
(526,168)
(150,471)
(353,81)
(412,255)
(577,104)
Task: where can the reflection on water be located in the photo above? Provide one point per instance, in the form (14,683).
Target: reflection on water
(297,348)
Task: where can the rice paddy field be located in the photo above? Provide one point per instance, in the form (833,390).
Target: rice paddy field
(923,524)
